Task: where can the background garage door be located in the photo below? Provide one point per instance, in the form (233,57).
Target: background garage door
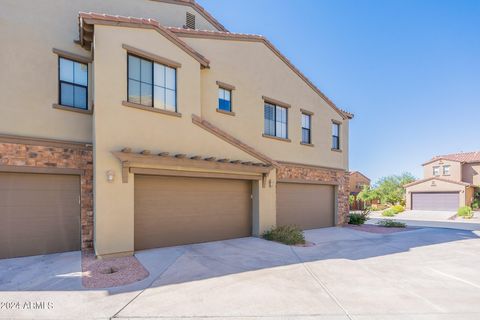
(308,206)
(39,214)
(446,201)
(177,210)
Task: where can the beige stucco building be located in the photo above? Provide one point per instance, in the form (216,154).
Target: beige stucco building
(449,182)
(121,133)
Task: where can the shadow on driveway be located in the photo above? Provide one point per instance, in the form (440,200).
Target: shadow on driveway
(167,266)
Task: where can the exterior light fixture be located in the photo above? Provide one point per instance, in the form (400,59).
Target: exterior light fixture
(110,176)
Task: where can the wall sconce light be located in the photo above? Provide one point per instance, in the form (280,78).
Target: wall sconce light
(110,176)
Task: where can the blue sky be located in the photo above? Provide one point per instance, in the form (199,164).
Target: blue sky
(408,70)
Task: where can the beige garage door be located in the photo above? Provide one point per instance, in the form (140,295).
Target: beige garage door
(39,214)
(441,201)
(308,206)
(172,211)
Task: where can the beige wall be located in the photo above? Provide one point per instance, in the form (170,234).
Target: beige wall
(256,71)
(440,186)
(29,85)
(357,179)
(117,126)
(455,169)
(471,173)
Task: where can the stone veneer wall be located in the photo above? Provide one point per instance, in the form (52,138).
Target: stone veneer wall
(333,176)
(74,157)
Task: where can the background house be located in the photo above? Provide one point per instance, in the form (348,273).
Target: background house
(357,181)
(449,182)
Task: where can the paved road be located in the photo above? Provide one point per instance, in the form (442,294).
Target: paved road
(421,274)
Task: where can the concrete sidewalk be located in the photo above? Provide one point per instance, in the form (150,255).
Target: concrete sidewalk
(420,274)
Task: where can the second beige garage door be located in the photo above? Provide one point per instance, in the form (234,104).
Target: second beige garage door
(308,206)
(173,211)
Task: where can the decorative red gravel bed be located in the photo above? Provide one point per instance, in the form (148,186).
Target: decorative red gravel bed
(112,272)
(376,229)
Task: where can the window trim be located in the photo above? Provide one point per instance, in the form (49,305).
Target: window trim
(139,105)
(309,115)
(433,171)
(339,124)
(146,108)
(59,105)
(276,102)
(265,135)
(151,56)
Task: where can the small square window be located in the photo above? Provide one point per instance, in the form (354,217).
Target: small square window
(275,121)
(224,99)
(73,83)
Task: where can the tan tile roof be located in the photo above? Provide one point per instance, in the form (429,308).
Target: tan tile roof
(92,18)
(358,172)
(193,4)
(254,37)
(465,157)
(436,178)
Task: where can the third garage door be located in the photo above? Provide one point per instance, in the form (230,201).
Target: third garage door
(173,211)
(441,201)
(308,206)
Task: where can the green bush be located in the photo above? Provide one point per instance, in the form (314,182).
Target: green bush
(391,224)
(476,204)
(289,235)
(359,218)
(389,213)
(465,212)
(398,208)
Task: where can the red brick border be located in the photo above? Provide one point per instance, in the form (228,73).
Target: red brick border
(334,176)
(75,157)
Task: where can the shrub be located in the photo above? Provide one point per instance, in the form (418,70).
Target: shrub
(359,218)
(389,213)
(476,204)
(289,235)
(398,208)
(465,212)
(391,224)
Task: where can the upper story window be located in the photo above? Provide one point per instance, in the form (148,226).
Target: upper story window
(306,123)
(336,136)
(152,84)
(224,99)
(436,171)
(275,120)
(73,83)
(446,170)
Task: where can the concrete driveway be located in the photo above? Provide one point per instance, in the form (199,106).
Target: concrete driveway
(349,274)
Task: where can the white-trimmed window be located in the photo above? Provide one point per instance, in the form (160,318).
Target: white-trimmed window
(436,171)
